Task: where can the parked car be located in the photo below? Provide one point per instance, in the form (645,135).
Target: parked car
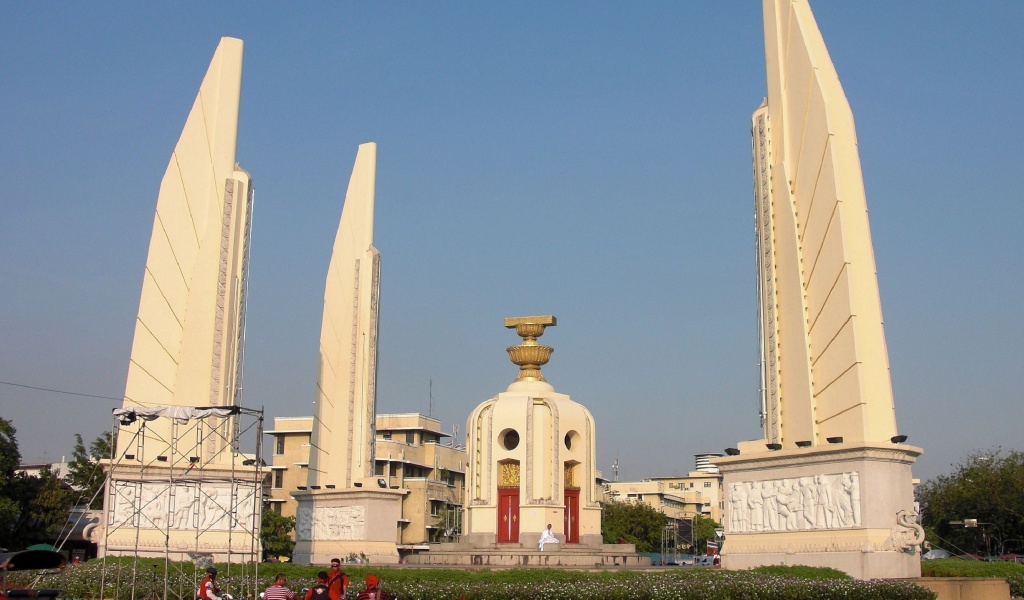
(28,560)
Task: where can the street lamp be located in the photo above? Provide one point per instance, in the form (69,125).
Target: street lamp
(973,523)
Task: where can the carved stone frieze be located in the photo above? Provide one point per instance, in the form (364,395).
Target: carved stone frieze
(818,502)
(863,547)
(219,506)
(330,523)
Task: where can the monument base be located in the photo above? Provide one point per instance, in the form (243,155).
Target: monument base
(849,507)
(341,523)
(473,553)
(178,512)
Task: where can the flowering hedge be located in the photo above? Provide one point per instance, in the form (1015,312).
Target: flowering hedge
(82,581)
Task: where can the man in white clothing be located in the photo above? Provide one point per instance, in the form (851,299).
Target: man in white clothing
(546,537)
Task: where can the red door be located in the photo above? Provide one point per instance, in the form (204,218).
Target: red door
(508,515)
(572,516)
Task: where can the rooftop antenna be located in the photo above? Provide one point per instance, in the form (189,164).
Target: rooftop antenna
(615,469)
(430,405)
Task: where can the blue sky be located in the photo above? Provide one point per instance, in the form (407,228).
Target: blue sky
(589,160)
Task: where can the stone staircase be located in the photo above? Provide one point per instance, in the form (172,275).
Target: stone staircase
(522,555)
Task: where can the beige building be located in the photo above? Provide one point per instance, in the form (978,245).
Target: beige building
(290,466)
(679,498)
(411,454)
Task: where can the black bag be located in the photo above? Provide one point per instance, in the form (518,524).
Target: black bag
(319,592)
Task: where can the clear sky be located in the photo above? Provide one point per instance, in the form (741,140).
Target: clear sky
(588,160)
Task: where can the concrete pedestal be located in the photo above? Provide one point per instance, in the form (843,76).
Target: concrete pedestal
(336,523)
(157,511)
(841,506)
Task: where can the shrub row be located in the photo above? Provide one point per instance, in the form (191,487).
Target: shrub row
(795,583)
(954,567)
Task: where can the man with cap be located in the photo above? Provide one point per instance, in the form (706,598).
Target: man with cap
(337,580)
(208,587)
(373,591)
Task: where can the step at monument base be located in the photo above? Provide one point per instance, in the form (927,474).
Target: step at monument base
(519,555)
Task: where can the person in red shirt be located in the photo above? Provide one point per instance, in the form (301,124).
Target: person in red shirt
(337,581)
(208,586)
(279,591)
(320,590)
(373,591)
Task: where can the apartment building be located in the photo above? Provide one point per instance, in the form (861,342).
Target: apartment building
(411,453)
(679,498)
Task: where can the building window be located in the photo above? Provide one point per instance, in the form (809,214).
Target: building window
(386,435)
(279,449)
(435,508)
(278,479)
(410,437)
(276,507)
(691,484)
(707,484)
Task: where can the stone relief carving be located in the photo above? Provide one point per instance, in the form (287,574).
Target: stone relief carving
(330,523)
(804,503)
(907,533)
(213,506)
(304,523)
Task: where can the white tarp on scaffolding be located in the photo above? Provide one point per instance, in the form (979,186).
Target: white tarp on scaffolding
(181,414)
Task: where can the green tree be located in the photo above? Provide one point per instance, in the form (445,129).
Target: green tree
(703,531)
(32,508)
(988,487)
(45,504)
(636,522)
(275,534)
(10,458)
(84,471)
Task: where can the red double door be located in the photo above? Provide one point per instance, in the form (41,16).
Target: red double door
(508,515)
(572,516)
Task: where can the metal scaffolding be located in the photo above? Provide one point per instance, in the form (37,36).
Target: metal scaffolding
(180,496)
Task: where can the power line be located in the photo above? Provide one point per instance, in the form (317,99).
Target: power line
(42,389)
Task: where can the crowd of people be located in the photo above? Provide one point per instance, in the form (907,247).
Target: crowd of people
(332,584)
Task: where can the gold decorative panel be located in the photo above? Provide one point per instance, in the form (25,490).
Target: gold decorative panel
(509,474)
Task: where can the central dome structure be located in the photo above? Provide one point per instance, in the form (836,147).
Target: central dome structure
(531,456)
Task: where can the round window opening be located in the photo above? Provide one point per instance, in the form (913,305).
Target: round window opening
(568,441)
(510,440)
